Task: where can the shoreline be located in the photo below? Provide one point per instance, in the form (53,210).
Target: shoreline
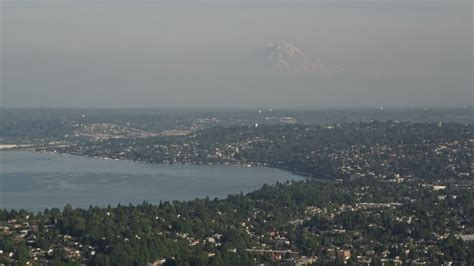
(34,150)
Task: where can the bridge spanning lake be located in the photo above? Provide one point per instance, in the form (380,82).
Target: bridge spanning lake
(35,181)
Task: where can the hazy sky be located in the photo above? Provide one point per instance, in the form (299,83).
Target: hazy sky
(196,53)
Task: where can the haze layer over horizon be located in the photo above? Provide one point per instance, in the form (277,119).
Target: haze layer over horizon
(204,54)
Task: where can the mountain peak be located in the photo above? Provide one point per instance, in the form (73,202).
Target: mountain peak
(285,57)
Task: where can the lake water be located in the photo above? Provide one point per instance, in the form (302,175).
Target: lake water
(35,181)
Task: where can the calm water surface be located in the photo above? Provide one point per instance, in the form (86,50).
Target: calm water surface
(35,181)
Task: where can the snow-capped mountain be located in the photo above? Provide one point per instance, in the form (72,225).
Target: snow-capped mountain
(285,57)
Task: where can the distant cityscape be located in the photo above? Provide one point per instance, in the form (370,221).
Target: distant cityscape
(378,191)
